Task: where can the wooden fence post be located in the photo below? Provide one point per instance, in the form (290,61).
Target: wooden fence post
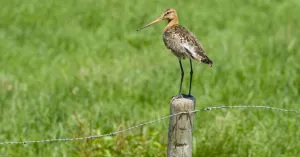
(180,136)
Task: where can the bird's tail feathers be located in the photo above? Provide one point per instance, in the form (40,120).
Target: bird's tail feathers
(206,60)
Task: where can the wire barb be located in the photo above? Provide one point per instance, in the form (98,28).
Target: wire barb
(143,124)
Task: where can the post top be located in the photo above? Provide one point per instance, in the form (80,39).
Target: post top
(183,96)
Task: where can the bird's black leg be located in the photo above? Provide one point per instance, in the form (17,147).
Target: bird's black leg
(182,75)
(191,77)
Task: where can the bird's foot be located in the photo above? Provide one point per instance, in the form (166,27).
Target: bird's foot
(183,96)
(178,96)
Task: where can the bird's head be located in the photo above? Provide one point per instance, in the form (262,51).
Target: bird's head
(169,14)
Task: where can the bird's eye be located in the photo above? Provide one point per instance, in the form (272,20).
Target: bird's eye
(167,13)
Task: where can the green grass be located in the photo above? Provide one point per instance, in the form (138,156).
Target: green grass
(76,68)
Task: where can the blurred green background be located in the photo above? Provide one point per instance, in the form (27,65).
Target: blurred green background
(76,68)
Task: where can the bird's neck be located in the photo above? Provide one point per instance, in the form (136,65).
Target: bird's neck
(171,23)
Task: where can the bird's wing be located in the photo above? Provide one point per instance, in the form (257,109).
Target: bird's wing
(196,44)
(190,50)
(193,46)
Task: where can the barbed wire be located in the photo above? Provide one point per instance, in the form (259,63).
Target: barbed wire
(244,106)
(142,124)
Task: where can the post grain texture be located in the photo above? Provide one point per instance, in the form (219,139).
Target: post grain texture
(180,137)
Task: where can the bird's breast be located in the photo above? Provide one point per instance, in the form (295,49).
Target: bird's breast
(174,43)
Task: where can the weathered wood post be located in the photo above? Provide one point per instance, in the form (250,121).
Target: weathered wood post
(180,137)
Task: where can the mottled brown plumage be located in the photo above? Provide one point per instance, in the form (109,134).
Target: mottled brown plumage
(182,43)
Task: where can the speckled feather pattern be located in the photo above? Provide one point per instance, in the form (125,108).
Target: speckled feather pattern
(184,44)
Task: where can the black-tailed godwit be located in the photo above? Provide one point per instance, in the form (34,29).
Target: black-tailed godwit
(182,43)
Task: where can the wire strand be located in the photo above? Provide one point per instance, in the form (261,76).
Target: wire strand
(142,124)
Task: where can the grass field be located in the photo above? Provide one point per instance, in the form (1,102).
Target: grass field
(76,68)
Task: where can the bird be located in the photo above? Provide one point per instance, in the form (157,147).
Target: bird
(182,43)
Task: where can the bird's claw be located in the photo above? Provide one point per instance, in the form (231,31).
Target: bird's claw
(178,96)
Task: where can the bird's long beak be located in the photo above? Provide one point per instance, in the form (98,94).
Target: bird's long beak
(155,21)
